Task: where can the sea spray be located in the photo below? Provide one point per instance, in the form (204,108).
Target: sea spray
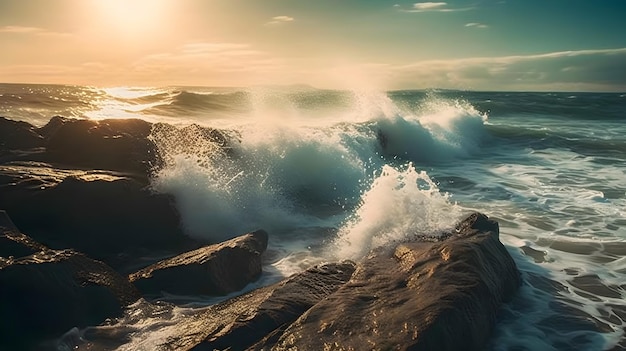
(437,131)
(263,176)
(400,205)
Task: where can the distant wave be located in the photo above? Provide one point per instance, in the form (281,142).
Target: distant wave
(182,102)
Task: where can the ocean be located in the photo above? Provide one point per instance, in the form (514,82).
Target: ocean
(332,174)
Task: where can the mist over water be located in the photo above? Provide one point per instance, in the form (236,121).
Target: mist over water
(333,174)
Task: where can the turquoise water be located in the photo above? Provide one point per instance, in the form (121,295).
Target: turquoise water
(331,174)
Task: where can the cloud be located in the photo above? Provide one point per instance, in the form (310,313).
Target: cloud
(476,25)
(428,5)
(278,20)
(32,30)
(20,29)
(565,70)
(203,63)
(201,48)
(419,7)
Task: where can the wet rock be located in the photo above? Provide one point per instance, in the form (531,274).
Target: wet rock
(238,323)
(16,135)
(14,244)
(50,291)
(287,301)
(114,144)
(425,296)
(101,213)
(5,221)
(212,270)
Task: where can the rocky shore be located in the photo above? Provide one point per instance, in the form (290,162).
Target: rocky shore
(84,241)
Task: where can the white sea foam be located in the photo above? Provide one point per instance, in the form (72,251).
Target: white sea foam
(400,205)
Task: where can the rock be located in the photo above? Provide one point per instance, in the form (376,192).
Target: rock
(426,296)
(13,243)
(287,301)
(101,213)
(433,294)
(50,291)
(114,144)
(16,135)
(130,146)
(238,323)
(5,221)
(212,270)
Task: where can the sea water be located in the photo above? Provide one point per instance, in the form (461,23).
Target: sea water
(332,174)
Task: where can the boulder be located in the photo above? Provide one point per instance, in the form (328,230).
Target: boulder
(17,135)
(435,293)
(237,323)
(50,291)
(440,295)
(100,213)
(212,270)
(285,302)
(114,144)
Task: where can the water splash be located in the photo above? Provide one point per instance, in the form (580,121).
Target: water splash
(398,206)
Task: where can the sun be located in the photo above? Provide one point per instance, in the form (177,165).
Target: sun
(132,19)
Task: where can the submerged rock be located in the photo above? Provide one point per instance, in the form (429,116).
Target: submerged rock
(47,292)
(212,270)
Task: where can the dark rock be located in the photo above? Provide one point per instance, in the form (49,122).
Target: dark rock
(287,301)
(426,296)
(6,222)
(213,270)
(101,213)
(16,135)
(237,323)
(114,144)
(50,291)
(13,243)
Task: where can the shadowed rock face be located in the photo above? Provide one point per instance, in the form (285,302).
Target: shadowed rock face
(60,181)
(46,292)
(213,270)
(17,135)
(101,213)
(114,144)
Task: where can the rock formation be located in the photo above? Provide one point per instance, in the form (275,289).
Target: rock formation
(435,294)
(101,213)
(426,296)
(212,270)
(46,292)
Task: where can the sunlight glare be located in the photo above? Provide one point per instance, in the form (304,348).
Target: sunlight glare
(134,19)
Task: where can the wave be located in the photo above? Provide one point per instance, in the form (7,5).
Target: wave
(265,173)
(400,205)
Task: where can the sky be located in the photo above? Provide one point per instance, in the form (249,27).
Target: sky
(527,45)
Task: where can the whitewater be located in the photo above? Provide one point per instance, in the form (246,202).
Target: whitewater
(332,174)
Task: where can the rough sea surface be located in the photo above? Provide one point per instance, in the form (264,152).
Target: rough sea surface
(332,174)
